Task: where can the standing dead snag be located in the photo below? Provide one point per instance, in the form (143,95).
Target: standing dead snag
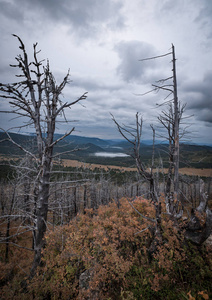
(176,127)
(199,227)
(36,97)
(170,120)
(133,136)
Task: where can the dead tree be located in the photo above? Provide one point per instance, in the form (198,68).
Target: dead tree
(171,122)
(133,136)
(36,97)
(17,204)
(199,226)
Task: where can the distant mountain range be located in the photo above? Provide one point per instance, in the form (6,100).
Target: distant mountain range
(84,149)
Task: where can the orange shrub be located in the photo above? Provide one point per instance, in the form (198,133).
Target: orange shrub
(104,241)
(105,245)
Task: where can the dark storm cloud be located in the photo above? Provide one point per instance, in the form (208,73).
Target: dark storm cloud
(84,17)
(130,69)
(205,115)
(200,98)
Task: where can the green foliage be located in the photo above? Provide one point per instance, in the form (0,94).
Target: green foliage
(197,156)
(6,172)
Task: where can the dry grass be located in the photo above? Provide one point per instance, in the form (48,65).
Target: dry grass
(185,171)
(78,164)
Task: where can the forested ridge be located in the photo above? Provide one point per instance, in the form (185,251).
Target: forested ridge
(191,155)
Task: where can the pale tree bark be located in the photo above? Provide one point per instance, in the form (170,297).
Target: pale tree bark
(170,120)
(133,136)
(17,196)
(199,224)
(37,97)
(176,128)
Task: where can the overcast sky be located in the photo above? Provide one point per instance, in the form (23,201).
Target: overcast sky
(102,41)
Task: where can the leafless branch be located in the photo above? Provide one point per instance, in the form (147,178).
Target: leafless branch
(154,57)
(62,137)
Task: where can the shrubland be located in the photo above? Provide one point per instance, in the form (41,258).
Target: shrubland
(105,254)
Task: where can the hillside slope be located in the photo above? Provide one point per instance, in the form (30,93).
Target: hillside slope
(84,148)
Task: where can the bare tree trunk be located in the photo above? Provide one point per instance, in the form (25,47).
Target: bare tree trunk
(176,130)
(8,224)
(170,121)
(42,210)
(200,225)
(37,98)
(148,176)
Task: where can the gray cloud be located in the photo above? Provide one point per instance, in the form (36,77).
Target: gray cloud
(130,69)
(205,115)
(170,6)
(204,17)
(9,10)
(200,97)
(94,84)
(102,43)
(86,20)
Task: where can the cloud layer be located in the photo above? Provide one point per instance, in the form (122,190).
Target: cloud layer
(102,43)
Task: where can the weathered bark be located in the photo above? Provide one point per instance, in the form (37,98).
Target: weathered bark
(176,129)
(42,210)
(36,97)
(8,224)
(199,227)
(148,176)
(171,122)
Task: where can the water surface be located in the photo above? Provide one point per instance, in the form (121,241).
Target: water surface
(110,154)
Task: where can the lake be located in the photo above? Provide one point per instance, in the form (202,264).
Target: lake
(110,154)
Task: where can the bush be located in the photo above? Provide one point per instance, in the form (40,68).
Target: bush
(107,246)
(103,254)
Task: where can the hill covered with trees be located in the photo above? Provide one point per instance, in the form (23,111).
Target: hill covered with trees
(84,149)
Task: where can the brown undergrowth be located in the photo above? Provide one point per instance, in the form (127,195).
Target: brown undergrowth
(17,267)
(109,249)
